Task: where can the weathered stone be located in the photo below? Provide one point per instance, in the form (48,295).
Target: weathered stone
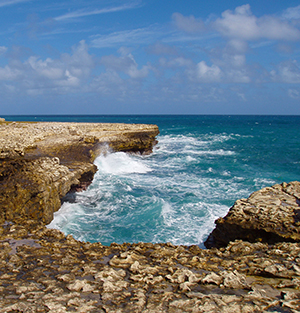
(234,280)
(271,215)
(212,278)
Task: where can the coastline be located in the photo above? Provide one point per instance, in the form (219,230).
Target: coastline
(42,161)
(44,271)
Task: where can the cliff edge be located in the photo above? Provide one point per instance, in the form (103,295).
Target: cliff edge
(40,162)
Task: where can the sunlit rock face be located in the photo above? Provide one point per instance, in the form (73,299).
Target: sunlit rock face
(271,215)
(41,162)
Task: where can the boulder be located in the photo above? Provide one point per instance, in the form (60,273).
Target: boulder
(270,215)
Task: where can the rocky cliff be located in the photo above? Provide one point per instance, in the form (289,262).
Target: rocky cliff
(41,162)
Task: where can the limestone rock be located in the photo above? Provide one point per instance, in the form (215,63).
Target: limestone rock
(33,188)
(41,162)
(271,215)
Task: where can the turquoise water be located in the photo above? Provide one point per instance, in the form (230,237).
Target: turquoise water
(201,165)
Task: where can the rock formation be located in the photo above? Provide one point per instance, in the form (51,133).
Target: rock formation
(41,162)
(270,215)
(41,270)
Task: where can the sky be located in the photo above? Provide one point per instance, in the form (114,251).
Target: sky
(149,57)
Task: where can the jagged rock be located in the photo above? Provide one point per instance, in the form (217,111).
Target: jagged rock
(57,273)
(271,215)
(212,278)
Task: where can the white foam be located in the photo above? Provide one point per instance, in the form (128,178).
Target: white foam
(190,223)
(167,213)
(120,163)
(65,216)
(190,159)
(219,152)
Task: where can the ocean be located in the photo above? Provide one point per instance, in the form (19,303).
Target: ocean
(201,165)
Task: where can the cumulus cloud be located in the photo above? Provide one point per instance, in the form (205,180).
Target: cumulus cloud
(208,73)
(287,72)
(9,74)
(125,64)
(238,76)
(292,13)
(68,71)
(36,75)
(233,55)
(188,24)
(242,24)
(231,69)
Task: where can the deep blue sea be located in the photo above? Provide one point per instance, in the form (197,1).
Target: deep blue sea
(200,166)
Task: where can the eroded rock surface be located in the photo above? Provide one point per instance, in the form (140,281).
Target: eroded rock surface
(271,215)
(41,270)
(41,162)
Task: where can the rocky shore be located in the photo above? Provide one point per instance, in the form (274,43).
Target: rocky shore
(252,264)
(41,162)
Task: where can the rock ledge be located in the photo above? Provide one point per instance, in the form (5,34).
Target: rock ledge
(41,162)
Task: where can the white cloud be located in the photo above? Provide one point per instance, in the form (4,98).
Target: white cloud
(68,70)
(231,69)
(188,24)
(207,73)
(292,13)
(237,76)
(287,72)
(48,68)
(242,24)
(125,64)
(9,74)
(83,13)
(127,37)
(36,76)
(229,57)
(4,3)
(109,84)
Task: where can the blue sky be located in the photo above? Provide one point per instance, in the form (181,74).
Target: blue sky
(149,57)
